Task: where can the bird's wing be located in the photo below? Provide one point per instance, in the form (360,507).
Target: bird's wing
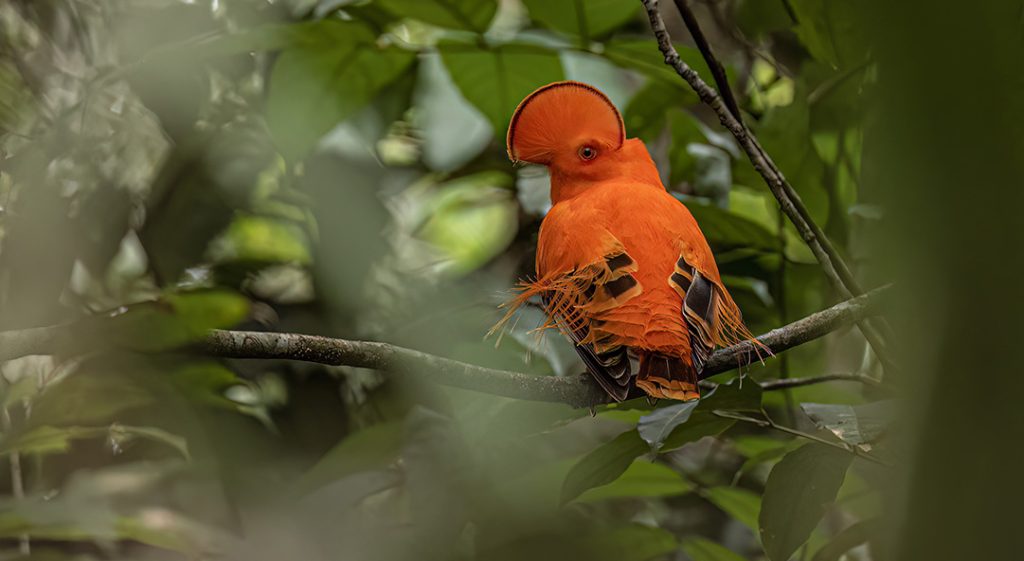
(583,270)
(712,317)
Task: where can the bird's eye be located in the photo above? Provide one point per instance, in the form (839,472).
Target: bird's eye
(587,152)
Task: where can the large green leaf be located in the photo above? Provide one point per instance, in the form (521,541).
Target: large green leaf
(472,15)
(642,479)
(799,491)
(645,114)
(655,427)
(677,424)
(496,79)
(603,464)
(702,549)
(316,85)
(587,19)
(855,424)
(739,503)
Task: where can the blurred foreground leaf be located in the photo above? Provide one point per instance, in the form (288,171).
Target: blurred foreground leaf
(603,465)
(701,549)
(471,15)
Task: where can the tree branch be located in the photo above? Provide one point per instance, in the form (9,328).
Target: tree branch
(832,263)
(577,391)
(717,70)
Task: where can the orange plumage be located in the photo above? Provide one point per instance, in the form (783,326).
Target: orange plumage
(622,267)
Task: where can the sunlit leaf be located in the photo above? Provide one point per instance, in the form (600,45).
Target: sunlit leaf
(587,19)
(799,491)
(175,320)
(496,79)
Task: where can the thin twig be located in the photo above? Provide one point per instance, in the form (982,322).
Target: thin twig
(767,422)
(787,383)
(831,262)
(17,483)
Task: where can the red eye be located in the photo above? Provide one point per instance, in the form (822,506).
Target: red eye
(587,152)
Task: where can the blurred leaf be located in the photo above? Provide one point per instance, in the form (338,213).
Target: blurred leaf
(263,240)
(726,230)
(495,80)
(454,132)
(655,427)
(52,440)
(852,536)
(366,450)
(643,56)
(314,87)
(685,131)
(471,15)
(855,424)
(587,19)
(603,465)
(633,542)
(175,320)
(702,549)
(799,491)
(741,504)
(834,31)
(641,479)
(645,114)
(93,393)
(472,219)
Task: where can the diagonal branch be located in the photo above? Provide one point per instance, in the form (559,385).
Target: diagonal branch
(832,263)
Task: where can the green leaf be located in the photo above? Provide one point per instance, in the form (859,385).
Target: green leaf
(313,87)
(602,465)
(739,503)
(472,15)
(655,427)
(643,56)
(53,440)
(365,450)
(174,320)
(586,19)
(857,424)
(851,537)
(263,240)
(645,114)
(799,491)
(702,549)
(834,31)
(727,230)
(632,542)
(685,131)
(496,79)
(642,479)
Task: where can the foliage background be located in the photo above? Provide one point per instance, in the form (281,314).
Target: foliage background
(338,168)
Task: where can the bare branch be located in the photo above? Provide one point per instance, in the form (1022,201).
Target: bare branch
(832,263)
(578,391)
(787,383)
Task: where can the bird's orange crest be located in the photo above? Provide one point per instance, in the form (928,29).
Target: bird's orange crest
(558,114)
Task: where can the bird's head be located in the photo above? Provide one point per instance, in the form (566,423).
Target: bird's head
(574,130)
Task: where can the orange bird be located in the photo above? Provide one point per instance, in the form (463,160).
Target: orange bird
(622,267)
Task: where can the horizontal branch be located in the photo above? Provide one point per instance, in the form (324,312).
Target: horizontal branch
(578,391)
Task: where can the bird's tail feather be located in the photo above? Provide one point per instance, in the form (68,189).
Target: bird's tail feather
(667,377)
